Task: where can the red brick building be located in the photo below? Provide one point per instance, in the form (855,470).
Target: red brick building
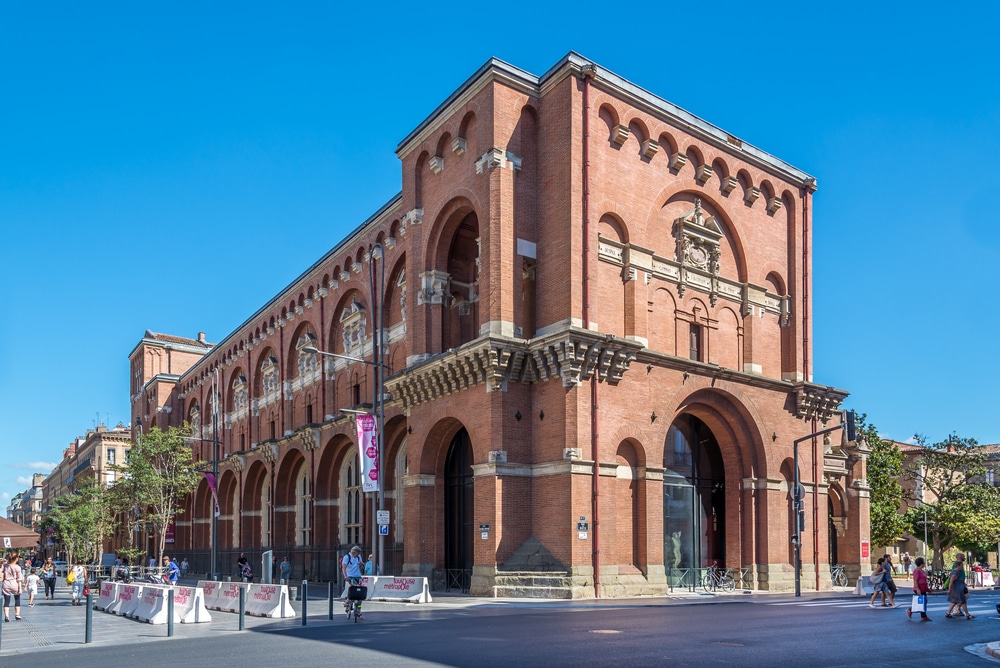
(597,315)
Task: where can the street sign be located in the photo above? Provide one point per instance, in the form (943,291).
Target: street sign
(383,529)
(583,526)
(382,517)
(583,535)
(484,527)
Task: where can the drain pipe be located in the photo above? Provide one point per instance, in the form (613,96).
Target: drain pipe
(586,73)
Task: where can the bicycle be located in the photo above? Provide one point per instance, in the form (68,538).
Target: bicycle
(837,576)
(355,595)
(716,578)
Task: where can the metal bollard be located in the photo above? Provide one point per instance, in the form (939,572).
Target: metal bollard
(329,596)
(243,609)
(305,601)
(170,613)
(89,634)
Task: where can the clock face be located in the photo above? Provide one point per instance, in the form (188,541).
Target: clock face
(698,255)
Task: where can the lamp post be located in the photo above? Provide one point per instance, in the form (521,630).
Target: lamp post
(376,252)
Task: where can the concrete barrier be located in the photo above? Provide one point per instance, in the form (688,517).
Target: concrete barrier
(387,588)
(268,600)
(152,605)
(106,596)
(210,593)
(127,600)
(189,606)
(228,596)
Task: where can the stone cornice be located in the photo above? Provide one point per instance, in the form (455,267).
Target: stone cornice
(817,401)
(571,354)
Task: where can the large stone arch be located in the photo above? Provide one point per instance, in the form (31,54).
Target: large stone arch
(255,518)
(227,522)
(292,492)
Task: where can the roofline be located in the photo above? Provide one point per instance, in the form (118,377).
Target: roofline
(574,63)
(346,241)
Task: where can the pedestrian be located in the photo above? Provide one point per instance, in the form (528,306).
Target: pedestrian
(240,563)
(958,593)
(370,565)
(877,579)
(33,581)
(172,570)
(79,581)
(184,566)
(49,578)
(286,570)
(350,568)
(890,584)
(152,562)
(11,587)
(920,588)
(906,564)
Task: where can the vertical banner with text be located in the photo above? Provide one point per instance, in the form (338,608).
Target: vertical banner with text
(210,477)
(368,450)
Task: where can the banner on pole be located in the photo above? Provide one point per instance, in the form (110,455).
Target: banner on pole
(210,477)
(368,451)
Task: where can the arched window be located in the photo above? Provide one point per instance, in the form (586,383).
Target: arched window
(350,501)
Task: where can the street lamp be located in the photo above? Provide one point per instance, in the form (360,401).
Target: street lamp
(376,252)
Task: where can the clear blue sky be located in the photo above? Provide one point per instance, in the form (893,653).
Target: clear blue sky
(172,167)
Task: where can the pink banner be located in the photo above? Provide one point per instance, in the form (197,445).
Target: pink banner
(368,450)
(210,477)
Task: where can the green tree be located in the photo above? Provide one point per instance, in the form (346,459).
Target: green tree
(81,521)
(159,474)
(952,489)
(885,466)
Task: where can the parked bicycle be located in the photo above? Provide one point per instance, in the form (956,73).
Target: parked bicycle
(937,580)
(837,576)
(716,578)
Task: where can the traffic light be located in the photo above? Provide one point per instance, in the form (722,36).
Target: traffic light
(851,422)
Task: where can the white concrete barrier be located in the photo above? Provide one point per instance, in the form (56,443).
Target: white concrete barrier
(388,588)
(268,600)
(127,600)
(210,593)
(107,595)
(152,606)
(228,596)
(189,606)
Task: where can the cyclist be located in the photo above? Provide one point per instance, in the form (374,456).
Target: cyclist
(350,566)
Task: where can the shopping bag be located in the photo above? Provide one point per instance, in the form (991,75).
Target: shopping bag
(70,577)
(919,603)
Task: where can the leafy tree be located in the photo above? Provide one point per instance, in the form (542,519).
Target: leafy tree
(159,473)
(962,507)
(81,521)
(885,465)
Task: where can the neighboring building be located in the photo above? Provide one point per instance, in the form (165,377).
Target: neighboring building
(25,507)
(597,315)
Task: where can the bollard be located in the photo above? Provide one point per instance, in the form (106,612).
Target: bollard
(89,634)
(243,609)
(170,613)
(305,600)
(1,633)
(329,595)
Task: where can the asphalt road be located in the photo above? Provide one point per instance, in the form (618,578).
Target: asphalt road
(756,630)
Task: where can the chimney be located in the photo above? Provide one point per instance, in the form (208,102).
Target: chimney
(201,337)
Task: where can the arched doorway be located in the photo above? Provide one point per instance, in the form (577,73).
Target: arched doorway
(458,512)
(694,499)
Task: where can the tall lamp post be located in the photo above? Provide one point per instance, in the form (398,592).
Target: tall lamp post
(378,399)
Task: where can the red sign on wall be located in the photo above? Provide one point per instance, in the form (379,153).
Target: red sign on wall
(864,549)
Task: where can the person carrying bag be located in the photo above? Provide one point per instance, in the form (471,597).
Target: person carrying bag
(920,590)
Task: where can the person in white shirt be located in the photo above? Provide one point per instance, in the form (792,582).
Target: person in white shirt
(33,581)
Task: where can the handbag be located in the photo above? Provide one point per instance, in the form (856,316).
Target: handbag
(70,578)
(919,603)
(875,578)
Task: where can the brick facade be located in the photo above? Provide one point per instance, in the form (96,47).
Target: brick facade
(597,322)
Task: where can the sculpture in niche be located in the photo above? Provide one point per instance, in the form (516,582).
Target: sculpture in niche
(352,322)
(269,375)
(194,419)
(239,394)
(698,247)
(401,284)
(307,360)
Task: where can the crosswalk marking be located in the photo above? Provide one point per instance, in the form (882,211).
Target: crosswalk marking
(935,606)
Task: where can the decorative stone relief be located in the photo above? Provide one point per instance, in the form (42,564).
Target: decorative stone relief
(269,376)
(817,401)
(401,285)
(411,217)
(352,323)
(194,419)
(497,157)
(433,287)
(239,394)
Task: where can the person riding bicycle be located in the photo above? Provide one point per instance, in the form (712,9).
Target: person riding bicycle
(350,566)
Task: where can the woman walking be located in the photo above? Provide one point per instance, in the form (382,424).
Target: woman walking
(49,578)
(920,588)
(79,580)
(877,579)
(958,593)
(11,587)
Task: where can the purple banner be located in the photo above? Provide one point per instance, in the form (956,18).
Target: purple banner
(210,477)
(368,451)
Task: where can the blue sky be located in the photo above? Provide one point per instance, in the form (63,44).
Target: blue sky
(172,167)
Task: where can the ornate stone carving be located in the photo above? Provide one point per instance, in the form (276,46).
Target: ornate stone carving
(433,287)
(698,240)
(817,401)
(352,325)
(411,217)
(497,157)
